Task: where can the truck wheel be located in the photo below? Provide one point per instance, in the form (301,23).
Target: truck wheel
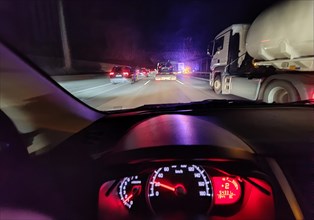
(280,92)
(217,84)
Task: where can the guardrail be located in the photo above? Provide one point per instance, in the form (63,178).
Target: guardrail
(201,75)
(54,66)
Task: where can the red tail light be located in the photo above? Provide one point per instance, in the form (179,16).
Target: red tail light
(125,74)
(111,73)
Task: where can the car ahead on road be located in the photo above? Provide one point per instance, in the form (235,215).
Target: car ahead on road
(144,72)
(122,74)
(165,72)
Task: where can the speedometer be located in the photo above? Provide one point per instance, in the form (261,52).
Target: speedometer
(180,189)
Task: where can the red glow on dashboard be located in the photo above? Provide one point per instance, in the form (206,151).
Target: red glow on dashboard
(110,204)
(227,190)
(178,189)
(128,198)
(165,186)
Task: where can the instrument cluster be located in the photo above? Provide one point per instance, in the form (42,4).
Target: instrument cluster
(185,190)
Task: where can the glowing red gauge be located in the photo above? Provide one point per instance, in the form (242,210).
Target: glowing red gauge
(129,189)
(227,190)
(179,189)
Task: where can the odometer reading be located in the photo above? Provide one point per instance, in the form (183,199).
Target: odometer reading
(227,190)
(182,188)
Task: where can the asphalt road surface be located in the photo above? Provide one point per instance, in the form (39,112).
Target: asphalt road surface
(98,92)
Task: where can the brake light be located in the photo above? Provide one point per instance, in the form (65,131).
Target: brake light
(125,74)
(111,73)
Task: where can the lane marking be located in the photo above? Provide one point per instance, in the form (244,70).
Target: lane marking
(91,88)
(180,82)
(117,86)
(96,94)
(137,90)
(146,82)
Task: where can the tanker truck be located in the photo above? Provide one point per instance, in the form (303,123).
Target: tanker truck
(270,60)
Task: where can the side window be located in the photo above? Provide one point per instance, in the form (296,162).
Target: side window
(218,44)
(233,53)
(210,48)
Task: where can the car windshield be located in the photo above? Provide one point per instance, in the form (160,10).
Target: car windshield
(156,109)
(180,51)
(117,69)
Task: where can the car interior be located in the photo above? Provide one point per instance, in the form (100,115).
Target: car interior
(217,159)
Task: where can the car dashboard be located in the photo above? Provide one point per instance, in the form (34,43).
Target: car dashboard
(186,191)
(192,168)
(206,163)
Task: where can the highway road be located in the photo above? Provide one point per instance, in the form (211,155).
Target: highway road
(98,92)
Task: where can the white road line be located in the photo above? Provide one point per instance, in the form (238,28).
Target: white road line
(180,82)
(96,94)
(91,88)
(137,90)
(146,82)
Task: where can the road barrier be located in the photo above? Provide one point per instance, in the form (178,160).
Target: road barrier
(201,75)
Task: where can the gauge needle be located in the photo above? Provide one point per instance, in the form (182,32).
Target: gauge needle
(166,186)
(135,191)
(178,189)
(128,198)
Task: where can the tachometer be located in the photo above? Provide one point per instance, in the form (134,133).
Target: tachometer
(129,189)
(180,188)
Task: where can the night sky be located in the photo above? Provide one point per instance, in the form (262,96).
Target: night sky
(122,29)
(159,21)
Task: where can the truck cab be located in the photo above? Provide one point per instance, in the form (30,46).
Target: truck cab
(226,44)
(228,53)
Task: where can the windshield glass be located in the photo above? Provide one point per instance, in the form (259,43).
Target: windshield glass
(121,54)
